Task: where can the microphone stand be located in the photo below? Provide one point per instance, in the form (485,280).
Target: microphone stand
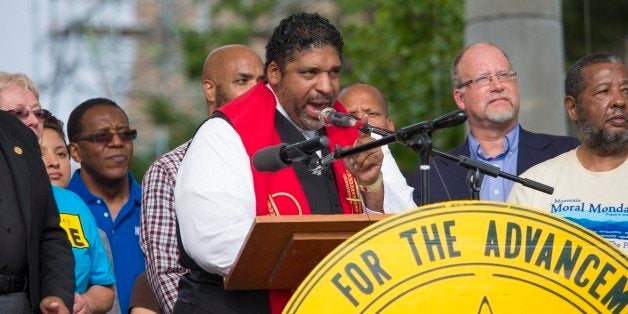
(419,138)
(477,167)
(338,153)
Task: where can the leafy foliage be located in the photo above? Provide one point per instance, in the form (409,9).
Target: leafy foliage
(405,48)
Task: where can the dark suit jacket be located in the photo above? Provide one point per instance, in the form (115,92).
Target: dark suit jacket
(447,176)
(50,259)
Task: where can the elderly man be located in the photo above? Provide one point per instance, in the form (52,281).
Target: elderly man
(369,104)
(229,71)
(37,272)
(218,193)
(486,88)
(590,182)
(102,142)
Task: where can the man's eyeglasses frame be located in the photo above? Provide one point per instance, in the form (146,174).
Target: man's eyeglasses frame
(106,137)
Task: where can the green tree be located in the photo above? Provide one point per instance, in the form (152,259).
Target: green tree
(405,49)
(402,47)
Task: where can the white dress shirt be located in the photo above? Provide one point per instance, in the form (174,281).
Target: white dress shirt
(215,198)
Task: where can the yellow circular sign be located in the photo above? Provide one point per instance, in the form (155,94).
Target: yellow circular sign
(468,257)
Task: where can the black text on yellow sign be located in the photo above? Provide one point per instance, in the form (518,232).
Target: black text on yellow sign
(458,256)
(71,223)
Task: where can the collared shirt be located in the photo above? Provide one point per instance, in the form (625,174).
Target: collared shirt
(497,189)
(158,228)
(123,233)
(91,262)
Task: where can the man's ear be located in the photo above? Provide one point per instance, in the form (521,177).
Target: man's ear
(390,126)
(458,99)
(273,74)
(74,152)
(209,88)
(570,105)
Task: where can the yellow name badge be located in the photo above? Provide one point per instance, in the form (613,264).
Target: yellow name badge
(468,257)
(71,223)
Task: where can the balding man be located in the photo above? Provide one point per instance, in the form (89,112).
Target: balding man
(486,88)
(229,71)
(369,104)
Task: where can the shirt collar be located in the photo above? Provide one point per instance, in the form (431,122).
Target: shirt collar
(307,134)
(77,185)
(510,144)
(136,190)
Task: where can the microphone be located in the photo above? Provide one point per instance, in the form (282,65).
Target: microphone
(329,116)
(445,121)
(276,157)
(449,119)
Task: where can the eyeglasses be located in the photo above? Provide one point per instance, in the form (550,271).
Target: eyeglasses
(106,137)
(23,113)
(486,79)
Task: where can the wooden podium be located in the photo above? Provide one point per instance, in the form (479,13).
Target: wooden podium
(280,251)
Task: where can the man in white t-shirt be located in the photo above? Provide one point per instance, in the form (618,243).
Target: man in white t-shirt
(590,182)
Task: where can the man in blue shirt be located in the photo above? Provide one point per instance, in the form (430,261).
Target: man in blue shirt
(102,142)
(486,88)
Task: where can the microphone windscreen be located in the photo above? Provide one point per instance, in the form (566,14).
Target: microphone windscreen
(325,114)
(450,119)
(268,159)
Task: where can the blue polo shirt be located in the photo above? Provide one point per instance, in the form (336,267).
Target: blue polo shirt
(497,189)
(123,234)
(91,263)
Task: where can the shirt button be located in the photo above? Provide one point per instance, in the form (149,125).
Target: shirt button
(496,191)
(98,201)
(106,214)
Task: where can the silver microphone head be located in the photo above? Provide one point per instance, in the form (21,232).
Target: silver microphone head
(325,114)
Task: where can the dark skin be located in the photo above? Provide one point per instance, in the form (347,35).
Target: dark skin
(229,72)
(603,101)
(105,166)
(306,86)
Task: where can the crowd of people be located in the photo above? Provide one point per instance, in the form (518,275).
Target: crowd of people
(96,241)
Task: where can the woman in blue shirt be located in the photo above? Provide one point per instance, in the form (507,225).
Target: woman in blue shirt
(93,274)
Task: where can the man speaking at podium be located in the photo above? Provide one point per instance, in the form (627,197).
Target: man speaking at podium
(219,193)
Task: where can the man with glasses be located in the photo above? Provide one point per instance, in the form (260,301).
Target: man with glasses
(102,142)
(36,263)
(486,88)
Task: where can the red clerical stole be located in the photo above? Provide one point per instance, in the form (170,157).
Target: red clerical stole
(252,115)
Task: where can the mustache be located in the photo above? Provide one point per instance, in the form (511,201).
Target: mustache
(618,112)
(507,97)
(320,99)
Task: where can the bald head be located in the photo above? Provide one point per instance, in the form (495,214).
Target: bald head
(366,102)
(229,72)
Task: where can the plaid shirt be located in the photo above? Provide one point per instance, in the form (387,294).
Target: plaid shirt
(158,227)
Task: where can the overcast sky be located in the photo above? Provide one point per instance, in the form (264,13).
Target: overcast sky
(15,35)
